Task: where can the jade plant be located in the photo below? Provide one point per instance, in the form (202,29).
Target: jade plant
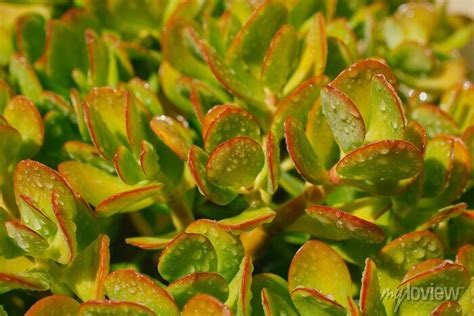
(233,157)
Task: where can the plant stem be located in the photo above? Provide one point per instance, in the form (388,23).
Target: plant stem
(181,214)
(255,240)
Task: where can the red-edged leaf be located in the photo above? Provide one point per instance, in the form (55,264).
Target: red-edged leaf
(253,39)
(235,163)
(272,156)
(25,76)
(312,302)
(345,224)
(106,192)
(10,145)
(447,275)
(224,122)
(98,308)
(297,104)
(150,243)
(185,254)
(248,220)
(459,173)
(87,272)
(343,117)
(228,247)
(355,82)
(128,201)
(273,304)
(236,80)
(444,215)
(144,93)
(384,160)
(302,154)
(434,120)
(370,295)
(240,289)
(197,160)
(149,161)
(38,182)
(320,137)
(104,111)
(22,114)
(131,286)
(314,266)
(26,238)
(186,287)
(465,256)
(178,53)
(86,153)
(173,134)
(98,56)
(127,166)
(279,59)
(276,288)
(448,308)
(387,119)
(54,305)
(416,134)
(203,304)
(400,255)
(438,164)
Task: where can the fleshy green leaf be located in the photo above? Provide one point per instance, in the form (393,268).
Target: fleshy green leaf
(297,104)
(387,120)
(343,117)
(186,287)
(22,114)
(343,224)
(274,305)
(400,255)
(228,247)
(54,305)
(448,308)
(114,308)
(87,272)
(278,287)
(185,254)
(370,294)
(434,120)
(197,160)
(314,266)
(310,302)
(126,166)
(26,238)
(131,286)
(253,39)
(10,145)
(465,256)
(302,154)
(240,289)
(38,182)
(447,275)
(248,219)
(24,75)
(272,157)
(356,81)
(279,59)
(104,191)
(384,160)
(235,163)
(224,122)
(173,134)
(203,304)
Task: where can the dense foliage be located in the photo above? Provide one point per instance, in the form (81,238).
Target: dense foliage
(234,157)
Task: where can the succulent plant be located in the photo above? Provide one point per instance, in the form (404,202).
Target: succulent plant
(234,157)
